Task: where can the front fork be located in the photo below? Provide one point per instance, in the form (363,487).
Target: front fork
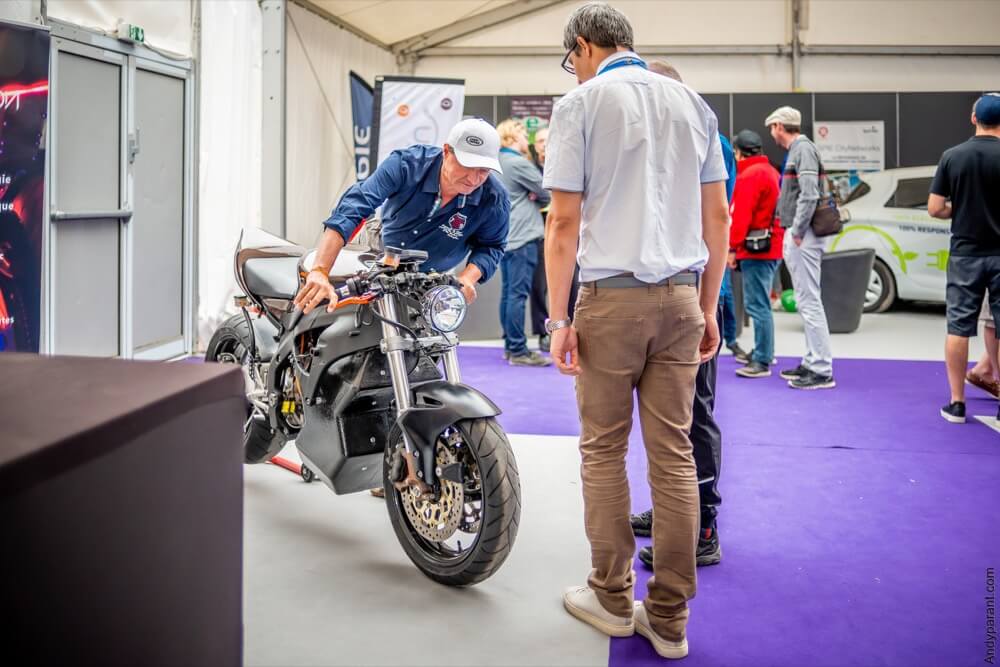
(395,346)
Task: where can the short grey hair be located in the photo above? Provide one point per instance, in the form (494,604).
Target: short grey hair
(600,24)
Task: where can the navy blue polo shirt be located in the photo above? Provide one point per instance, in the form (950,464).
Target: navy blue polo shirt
(407,183)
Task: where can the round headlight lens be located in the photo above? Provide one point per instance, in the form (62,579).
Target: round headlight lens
(444,307)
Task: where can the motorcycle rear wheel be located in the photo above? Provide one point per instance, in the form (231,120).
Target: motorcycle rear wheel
(487,456)
(231,343)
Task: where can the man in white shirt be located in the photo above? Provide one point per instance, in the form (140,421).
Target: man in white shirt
(638,180)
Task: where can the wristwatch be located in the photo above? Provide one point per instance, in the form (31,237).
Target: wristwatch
(555,325)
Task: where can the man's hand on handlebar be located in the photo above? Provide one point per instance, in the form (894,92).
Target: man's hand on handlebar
(316,290)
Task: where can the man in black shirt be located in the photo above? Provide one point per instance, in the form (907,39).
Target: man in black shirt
(969,176)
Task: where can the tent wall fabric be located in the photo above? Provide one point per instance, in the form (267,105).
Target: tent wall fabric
(319,137)
(230,153)
(18,10)
(167,23)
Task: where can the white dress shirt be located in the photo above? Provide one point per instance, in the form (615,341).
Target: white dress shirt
(638,145)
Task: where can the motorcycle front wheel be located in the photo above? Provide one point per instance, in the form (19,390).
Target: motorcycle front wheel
(464,536)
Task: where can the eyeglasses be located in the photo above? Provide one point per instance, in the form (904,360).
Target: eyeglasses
(566,64)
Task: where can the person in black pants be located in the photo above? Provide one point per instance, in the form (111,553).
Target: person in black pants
(540,295)
(706,439)
(539,307)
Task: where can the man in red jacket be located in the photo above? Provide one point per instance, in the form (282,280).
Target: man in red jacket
(755,242)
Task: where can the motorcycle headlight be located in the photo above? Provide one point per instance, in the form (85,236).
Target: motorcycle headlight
(444,307)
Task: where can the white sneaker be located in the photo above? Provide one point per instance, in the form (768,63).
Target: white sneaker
(582,602)
(664,647)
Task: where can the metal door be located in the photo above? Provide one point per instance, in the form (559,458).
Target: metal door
(88,200)
(157,291)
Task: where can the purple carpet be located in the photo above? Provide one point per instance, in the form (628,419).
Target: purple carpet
(887,405)
(857,525)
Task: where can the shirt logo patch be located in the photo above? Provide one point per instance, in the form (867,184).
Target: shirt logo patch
(453,228)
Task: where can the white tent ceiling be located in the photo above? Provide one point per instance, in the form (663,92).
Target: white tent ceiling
(408,27)
(392,21)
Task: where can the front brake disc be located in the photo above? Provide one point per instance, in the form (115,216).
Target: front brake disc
(436,521)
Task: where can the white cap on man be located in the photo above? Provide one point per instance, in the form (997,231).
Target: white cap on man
(786,116)
(476,144)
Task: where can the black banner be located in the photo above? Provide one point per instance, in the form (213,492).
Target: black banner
(24,94)
(362,109)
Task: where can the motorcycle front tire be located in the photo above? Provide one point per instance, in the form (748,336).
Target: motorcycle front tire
(501,510)
(230,342)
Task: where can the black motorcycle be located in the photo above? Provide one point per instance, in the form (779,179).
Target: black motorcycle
(371,396)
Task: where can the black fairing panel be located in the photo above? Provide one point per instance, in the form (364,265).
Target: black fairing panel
(347,331)
(322,446)
(438,405)
(265,337)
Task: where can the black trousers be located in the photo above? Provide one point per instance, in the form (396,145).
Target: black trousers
(706,439)
(540,293)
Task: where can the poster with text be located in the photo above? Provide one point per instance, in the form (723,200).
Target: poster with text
(532,106)
(24,92)
(846,146)
(410,110)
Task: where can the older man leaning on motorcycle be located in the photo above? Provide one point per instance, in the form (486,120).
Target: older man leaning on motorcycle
(443,201)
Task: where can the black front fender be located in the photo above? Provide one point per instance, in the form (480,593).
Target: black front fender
(436,406)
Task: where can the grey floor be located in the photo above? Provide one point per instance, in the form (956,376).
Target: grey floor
(326,582)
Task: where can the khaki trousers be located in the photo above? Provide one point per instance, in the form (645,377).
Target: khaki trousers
(640,340)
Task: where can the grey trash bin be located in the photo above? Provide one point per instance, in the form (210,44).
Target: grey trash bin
(844,280)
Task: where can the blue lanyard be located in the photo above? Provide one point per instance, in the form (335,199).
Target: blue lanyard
(437,204)
(624,62)
(436,207)
(509,150)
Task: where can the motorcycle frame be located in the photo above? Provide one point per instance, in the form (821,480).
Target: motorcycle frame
(421,410)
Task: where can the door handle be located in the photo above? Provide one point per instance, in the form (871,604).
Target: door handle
(123,214)
(133,146)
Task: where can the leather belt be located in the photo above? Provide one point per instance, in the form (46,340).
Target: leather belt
(626,280)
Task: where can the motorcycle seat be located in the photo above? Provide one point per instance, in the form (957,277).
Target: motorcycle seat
(272,277)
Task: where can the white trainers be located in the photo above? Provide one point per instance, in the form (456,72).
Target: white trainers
(664,647)
(582,602)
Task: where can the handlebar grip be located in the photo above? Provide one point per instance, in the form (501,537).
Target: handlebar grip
(351,288)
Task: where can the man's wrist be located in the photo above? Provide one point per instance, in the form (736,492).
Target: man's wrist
(553,325)
(325,270)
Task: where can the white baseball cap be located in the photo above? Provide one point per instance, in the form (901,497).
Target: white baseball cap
(785,116)
(476,144)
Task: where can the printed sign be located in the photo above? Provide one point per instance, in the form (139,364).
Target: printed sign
(532,106)
(846,146)
(410,110)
